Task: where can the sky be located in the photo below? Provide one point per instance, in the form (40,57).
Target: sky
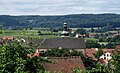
(58,7)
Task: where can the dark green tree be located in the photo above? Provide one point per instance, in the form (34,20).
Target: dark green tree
(92,45)
(89,63)
(39,32)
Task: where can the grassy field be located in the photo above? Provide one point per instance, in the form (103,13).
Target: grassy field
(28,33)
(91,39)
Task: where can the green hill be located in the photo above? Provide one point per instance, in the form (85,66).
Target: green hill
(74,21)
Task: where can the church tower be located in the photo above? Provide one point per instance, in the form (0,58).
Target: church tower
(65,32)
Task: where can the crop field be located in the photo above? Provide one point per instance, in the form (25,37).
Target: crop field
(91,39)
(29,33)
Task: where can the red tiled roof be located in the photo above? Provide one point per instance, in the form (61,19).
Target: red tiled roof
(9,38)
(108,50)
(91,34)
(117,34)
(33,55)
(65,65)
(36,54)
(5,37)
(90,53)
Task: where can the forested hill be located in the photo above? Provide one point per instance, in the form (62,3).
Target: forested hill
(75,20)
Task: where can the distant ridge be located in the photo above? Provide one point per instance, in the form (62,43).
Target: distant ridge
(73,20)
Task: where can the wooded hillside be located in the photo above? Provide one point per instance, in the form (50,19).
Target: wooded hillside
(74,21)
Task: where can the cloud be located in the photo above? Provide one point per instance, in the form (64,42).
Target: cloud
(55,7)
(97,1)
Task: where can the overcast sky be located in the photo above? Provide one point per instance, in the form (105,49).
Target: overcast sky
(58,7)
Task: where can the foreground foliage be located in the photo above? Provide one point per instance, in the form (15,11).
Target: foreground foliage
(13,59)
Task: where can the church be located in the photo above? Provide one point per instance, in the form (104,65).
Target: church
(65,41)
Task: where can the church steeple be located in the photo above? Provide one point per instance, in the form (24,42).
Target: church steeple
(65,33)
(65,27)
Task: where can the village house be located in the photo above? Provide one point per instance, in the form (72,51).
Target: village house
(61,64)
(79,36)
(104,58)
(91,35)
(107,54)
(113,34)
(8,38)
(64,64)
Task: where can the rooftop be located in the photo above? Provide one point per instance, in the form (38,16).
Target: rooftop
(64,64)
(67,42)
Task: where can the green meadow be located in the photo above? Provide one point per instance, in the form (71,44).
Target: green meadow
(29,33)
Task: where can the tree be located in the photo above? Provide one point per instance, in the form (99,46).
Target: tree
(80,31)
(110,45)
(117,39)
(65,52)
(89,63)
(92,30)
(13,59)
(92,45)
(39,32)
(114,64)
(76,70)
(99,53)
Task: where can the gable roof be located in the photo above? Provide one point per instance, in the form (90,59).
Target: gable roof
(91,53)
(111,51)
(76,43)
(8,37)
(32,41)
(65,65)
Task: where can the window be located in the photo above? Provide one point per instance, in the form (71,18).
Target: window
(104,54)
(107,55)
(42,51)
(104,57)
(110,54)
